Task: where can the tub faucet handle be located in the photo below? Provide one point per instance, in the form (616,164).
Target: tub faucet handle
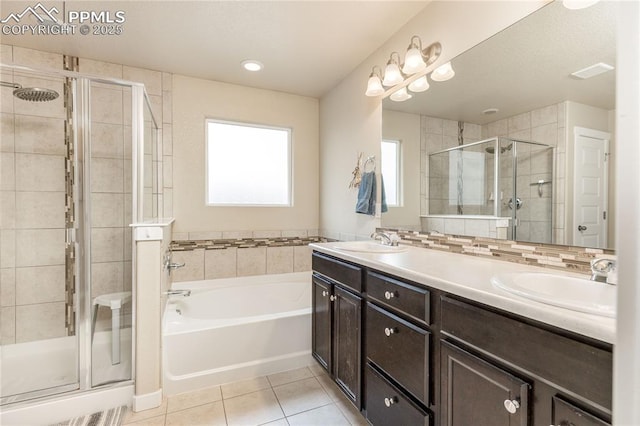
(176,292)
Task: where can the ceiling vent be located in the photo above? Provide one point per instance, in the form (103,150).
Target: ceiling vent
(592,71)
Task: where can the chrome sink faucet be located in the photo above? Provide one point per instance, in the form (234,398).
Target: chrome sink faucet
(602,270)
(385,239)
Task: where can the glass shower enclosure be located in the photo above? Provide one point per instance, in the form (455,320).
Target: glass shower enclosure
(72,183)
(501,178)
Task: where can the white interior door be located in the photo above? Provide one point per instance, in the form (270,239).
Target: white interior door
(591,160)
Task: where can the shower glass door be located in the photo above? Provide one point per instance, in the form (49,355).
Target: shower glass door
(39,341)
(527,181)
(108,261)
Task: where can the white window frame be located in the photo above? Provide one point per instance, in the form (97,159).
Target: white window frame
(259,126)
(399,183)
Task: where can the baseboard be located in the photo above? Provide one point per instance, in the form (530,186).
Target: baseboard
(147,401)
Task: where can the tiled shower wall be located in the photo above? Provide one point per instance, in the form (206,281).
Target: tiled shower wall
(210,255)
(545,125)
(437,134)
(32,260)
(32,226)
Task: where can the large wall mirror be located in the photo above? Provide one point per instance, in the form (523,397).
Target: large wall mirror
(548,135)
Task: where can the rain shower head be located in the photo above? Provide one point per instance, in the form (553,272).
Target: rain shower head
(32,94)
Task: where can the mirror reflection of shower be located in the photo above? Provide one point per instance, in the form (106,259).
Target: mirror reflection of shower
(31,94)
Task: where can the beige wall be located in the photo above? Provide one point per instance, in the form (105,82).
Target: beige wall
(351,123)
(194,100)
(405,128)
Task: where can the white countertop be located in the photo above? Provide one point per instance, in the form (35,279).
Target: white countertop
(469,277)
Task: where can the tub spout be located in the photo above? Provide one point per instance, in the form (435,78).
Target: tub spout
(184,293)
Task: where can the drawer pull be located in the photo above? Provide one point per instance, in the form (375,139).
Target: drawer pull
(389,295)
(390,401)
(511,405)
(325,293)
(390,330)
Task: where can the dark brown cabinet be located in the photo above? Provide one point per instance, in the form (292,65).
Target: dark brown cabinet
(321,321)
(387,405)
(408,354)
(567,414)
(337,322)
(475,392)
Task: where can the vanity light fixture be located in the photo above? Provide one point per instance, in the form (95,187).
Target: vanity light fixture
(400,95)
(392,74)
(443,73)
(374,85)
(419,85)
(410,74)
(252,65)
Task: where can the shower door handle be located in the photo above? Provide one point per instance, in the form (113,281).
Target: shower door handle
(518,203)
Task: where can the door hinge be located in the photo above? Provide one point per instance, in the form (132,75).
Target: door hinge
(604,215)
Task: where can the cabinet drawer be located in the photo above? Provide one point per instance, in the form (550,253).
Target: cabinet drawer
(410,300)
(386,405)
(534,349)
(567,414)
(400,349)
(344,273)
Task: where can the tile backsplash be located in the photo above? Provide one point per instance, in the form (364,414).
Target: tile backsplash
(240,254)
(567,258)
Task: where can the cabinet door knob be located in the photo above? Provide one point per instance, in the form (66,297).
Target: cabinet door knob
(511,405)
(325,293)
(390,401)
(389,295)
(332,297)
(389,331)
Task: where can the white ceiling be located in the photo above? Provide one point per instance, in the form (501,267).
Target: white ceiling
(307,47)
(527,66)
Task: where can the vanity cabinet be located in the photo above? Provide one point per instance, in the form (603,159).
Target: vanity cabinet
(475,392)
(398,351)
(547,376)
(409,354)
(337,322)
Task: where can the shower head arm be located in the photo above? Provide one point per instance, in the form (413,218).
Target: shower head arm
(12,85)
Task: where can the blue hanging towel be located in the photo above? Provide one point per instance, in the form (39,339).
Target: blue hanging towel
(366,203)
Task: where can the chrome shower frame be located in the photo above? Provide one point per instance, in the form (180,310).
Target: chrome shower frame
(496,185)
(81,95)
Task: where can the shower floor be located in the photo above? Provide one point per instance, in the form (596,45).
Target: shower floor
(52,363)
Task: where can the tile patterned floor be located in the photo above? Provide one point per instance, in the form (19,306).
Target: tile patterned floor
(301,397)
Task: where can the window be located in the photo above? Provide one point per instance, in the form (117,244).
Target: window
(390,165)
(248,165)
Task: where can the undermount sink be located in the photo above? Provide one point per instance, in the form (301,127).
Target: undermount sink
(577,294)
(368,247)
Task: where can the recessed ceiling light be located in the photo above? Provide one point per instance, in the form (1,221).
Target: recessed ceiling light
(251,65)
(490,111)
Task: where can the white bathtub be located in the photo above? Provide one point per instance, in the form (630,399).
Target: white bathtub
(235,329)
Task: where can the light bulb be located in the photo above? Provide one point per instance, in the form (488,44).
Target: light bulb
(443,72)
(419,85)
(413,61)
(400,95)
(392,75)
(374,86)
